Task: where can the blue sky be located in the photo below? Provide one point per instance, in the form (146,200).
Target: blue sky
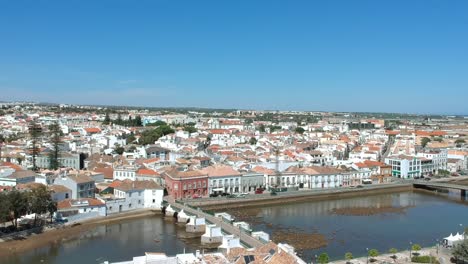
(388,56)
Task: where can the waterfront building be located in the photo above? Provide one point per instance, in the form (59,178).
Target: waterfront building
(433,161)
(81,186)
(80,209)
(223,178)
(404,167)
(131,195)
(184,183)
(251,181)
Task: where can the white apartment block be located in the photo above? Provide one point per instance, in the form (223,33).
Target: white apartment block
(405,167)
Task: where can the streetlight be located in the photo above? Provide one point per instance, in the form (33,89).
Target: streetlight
(437,246)
(411,244)
(367,256)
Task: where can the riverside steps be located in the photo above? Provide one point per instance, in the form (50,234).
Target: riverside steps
(244,237)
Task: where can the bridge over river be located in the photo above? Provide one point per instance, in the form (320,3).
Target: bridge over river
(442,186)
(245,238)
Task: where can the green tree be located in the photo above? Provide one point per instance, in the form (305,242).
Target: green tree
(323,258)
(460,141)
(131,138)
(107,119)
(460,250)
(299,130)
(38,201)
(18,202)
(35,131)
(190,129)
(393,251)
(438,139)
(348,256)
(5,212)
(157,123)
(253,141)
(55,137)
(51,208)
(119,150)
(137,121)
(373,253)
(261,128)
(119,120)
(424,141)
(151,135)
(416,247)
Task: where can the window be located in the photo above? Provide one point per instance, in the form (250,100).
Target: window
(66,196)
(154,201)
(129,205)
(139,201)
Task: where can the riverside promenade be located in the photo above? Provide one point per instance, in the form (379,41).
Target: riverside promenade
(245,239)
(252,200)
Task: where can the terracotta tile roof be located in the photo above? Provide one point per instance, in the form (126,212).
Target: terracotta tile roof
(220,171)
(143,171)
(138,185)
(22,174)
(68,203)
(92,130)
(81,178)
(108,172)
(115,184)
(12,165)
(261,169)
(59,189)
(175,173)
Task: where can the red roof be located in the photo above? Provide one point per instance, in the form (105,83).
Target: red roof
(13,166)
(107,171)
(147,172)
(115,184)
(92,130)
(219,131)
(68,203)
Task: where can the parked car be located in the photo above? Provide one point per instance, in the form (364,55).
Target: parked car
(213,195)
(196,196)
(359,186)
(259,191)
(427,179)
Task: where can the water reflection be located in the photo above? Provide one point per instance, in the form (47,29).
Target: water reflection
(420,222)
(115,242)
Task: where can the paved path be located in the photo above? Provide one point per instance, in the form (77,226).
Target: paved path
(228,228)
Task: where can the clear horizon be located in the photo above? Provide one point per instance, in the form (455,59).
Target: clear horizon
(333,56)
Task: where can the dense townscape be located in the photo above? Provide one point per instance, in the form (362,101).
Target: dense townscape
(73,163)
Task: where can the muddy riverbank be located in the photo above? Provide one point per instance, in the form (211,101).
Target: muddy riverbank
(301,196)
(368,211)
(66,233)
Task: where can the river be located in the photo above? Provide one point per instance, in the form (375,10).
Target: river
(422,219)
(416,217)
(114,242)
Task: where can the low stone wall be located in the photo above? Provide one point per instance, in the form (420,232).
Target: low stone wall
(302,196)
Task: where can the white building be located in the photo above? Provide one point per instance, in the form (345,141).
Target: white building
(127,172)
(405,167)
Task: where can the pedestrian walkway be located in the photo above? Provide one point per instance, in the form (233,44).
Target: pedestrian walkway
(226,227)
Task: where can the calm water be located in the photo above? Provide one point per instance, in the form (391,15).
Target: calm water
(428,217)
(114,242)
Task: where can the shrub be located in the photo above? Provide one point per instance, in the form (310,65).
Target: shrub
(424,259)
(323,258)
